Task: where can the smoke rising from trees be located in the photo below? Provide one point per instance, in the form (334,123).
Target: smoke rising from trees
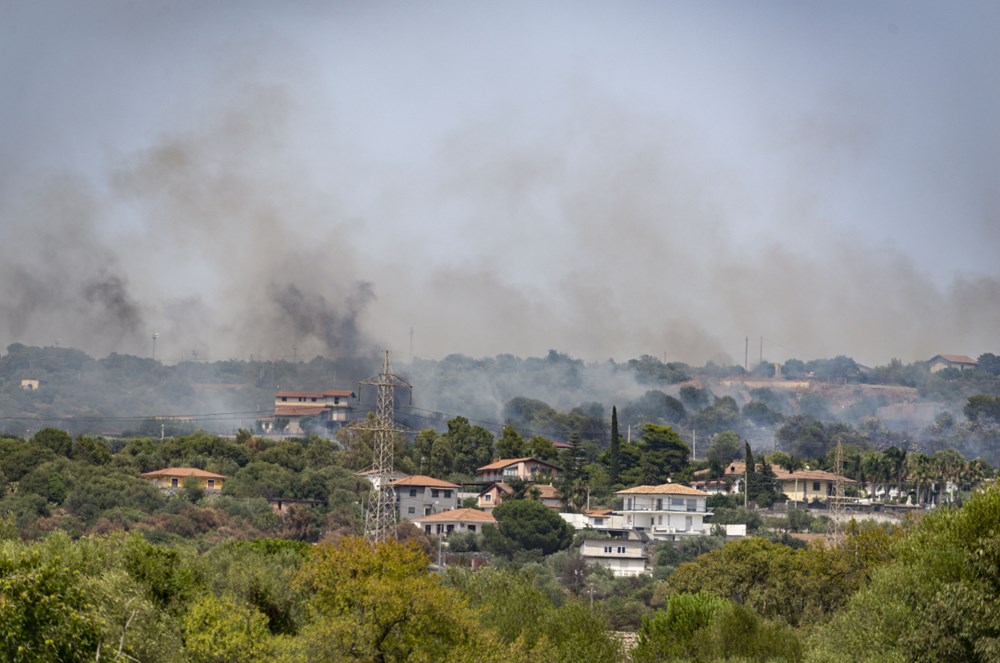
(281,192)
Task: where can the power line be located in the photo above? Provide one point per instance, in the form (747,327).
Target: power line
(146,417)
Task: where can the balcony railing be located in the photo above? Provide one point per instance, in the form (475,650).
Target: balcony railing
(665,508)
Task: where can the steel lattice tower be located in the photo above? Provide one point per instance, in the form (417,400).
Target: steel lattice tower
(380,517)
(836,508)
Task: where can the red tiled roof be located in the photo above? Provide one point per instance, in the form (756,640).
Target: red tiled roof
(458,515)
(738,468)
(507,462)
(663,489)
(501,488)
(599,512)
(183,472)
(421,480)
(547,492)
(959,359)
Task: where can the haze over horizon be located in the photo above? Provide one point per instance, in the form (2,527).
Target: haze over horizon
(608,180)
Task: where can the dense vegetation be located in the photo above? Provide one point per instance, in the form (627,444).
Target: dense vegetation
(97,564)
(920,591)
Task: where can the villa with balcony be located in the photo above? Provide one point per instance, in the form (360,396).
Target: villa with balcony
(668,512)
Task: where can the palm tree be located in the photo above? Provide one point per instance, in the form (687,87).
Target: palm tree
(921,473)
(873,468)
(897,462)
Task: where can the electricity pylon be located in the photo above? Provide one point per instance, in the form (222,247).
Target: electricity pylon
(836,510)
(380,517)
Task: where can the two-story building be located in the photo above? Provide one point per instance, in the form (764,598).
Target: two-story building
(805,485)
(525,469)
(329,408)
(173,478)
(419,495)
(494,495)
(667,512)
(624,557)
(459,521)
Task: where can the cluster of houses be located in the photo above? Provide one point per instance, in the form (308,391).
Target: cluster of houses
(621,537)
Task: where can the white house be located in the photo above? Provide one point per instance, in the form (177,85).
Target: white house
(625,557)
(667,512)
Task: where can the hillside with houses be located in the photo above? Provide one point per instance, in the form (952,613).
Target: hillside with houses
(753,506)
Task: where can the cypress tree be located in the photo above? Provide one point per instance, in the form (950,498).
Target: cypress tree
(614,451)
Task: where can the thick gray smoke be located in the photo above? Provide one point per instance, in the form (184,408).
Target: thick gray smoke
(617,185)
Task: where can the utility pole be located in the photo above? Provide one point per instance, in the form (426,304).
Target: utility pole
(746,354)
(380,517)
(155,336)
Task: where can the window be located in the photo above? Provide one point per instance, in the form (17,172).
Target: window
(607,549)
(815,486)
(659,520)
(284,399)
(411,510)
(211,484)
(413,492)
(659,504)
(472,528)
(427,528)
(447,494)
(692,505)
(487,497)
(688,522)
(677,502)
(435,492)
(621,550)
(174,482)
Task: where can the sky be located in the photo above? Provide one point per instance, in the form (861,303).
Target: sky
(697,181)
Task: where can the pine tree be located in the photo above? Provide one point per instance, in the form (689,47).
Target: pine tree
(614,450)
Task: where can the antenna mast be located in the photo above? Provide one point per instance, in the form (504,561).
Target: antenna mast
(380,517)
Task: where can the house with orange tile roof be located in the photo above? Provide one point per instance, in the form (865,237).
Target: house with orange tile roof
(667,512)
(941,362)
(421,495)
(493,495)
(173,478)
(329,408)
(455,521)
(525,469)
(802,485)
